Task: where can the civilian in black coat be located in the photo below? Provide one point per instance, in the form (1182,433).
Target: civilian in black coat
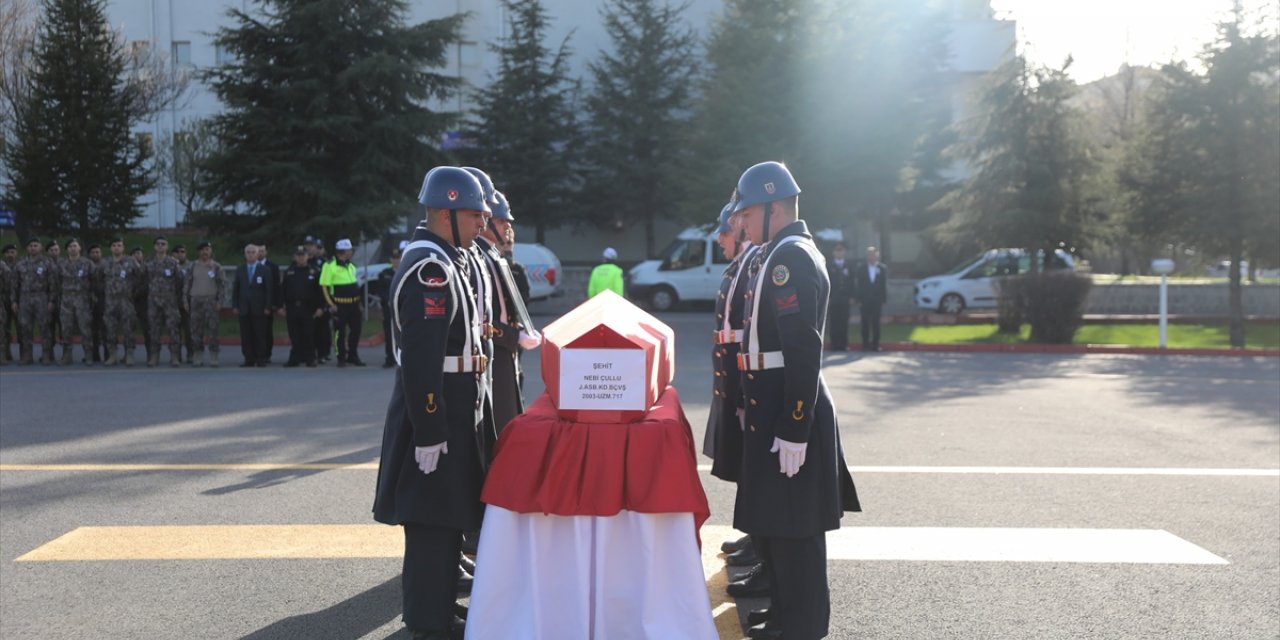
(277,300)
(871,291)
(251,295)
(840,272)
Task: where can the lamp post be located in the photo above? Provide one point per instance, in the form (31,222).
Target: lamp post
(1163,267)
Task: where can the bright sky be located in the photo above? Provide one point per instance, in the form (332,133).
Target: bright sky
(1102,34)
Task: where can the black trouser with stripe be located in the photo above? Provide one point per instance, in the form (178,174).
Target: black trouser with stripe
(430,576)
(348,323)
(302,339)
(800,600)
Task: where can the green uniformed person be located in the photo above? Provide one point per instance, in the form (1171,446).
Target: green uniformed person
(121,278)
(75,277)
(341,291)
(430,473)
(794,485)
(35,282)
(203,291)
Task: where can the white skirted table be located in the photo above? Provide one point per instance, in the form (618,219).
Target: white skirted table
(591,531)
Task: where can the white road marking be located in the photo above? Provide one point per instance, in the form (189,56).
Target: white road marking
(958,544)
(1069,471)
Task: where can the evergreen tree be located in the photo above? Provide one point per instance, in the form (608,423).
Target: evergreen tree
(525,130)
(1033,167)
(74,164)
(639,106)
(1203,173)
(326,129)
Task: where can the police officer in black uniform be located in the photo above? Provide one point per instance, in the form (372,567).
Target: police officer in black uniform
(794,485)
(302,299)
(430,473)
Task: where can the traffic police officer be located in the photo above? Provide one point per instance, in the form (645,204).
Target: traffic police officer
(430,472)
(302,301)
(341,291)
(794,484)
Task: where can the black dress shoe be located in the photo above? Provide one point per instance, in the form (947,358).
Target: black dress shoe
(467,564)
(342,364)
(460,610)
(246,365)
(465,580)
(753,585)
(764,632)
(264,363)
(290,365)
(356,362)
(387,364)
(730,546)
(471,542)
(418,634)
(757,616)
(311,364)
(742,558)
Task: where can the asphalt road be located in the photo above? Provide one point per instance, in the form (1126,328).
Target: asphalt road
(929,436)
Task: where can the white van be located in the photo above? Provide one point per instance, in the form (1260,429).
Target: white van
(690,268)
(973,285)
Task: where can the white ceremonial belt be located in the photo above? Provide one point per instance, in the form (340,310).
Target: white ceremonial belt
(465,364)
(728,336)
(760,360)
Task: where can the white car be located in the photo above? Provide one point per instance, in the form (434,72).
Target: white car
(541,265)
(973,285)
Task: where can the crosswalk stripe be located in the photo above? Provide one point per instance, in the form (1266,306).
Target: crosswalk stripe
(962,544)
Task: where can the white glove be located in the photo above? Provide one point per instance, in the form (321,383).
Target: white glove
(742,419)
(429,457)
(530,342)
(790,455)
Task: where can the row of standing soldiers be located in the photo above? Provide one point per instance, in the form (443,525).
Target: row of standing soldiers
(101,300)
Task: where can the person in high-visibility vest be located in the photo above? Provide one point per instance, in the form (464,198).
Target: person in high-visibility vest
(342,293)
(606,275)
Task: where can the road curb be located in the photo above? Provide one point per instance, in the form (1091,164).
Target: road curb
(1073,349)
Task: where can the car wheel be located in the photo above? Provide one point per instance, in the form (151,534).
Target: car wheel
(662,299)
(951,303)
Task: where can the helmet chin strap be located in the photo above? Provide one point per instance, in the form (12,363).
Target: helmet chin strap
(453,221)
(768,214)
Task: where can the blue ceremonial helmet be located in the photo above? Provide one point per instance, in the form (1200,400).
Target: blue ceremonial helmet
(765,182)
(726,213)
(502,210)
(452,188)
(485,182)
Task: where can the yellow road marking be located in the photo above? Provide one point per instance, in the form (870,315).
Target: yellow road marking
(239,466)
(224,542)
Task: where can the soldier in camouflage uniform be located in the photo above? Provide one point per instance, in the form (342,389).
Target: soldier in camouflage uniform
(6,277)
(140,300)
(9,256)
(203,291)
(120,276)
(75,277)
(164,288)
(184,315)
(35,283)
(95,305)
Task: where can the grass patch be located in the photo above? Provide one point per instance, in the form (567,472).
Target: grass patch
(1181,336)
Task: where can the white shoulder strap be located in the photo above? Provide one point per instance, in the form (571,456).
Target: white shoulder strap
(753,345)
(450,278)
(743,264)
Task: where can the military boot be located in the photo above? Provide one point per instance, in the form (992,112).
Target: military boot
(46,355)
(111,357)
(6,355)
(175,356)
(24,354)
(153,357)
(198,359)
(213,359)
(128,356)
(66,356)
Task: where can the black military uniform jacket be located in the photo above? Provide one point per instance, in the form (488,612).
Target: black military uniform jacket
(792,402)
(505,399)
(723,441)
(300,289)
(437,319)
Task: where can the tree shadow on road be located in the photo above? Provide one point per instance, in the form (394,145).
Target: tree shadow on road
(354,617)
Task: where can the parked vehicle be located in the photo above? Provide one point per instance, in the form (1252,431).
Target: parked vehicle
(542,266)
(689,268)
(973,284)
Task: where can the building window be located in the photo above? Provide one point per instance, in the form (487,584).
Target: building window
(182,53)
(221,55)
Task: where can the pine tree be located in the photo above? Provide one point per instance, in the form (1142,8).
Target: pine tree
(74,164)
(638,109)
(1203,172)
(525,129)
(326,129)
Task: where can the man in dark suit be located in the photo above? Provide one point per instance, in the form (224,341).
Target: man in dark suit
(840,272)
(276,303)
(251,297)
(871,289)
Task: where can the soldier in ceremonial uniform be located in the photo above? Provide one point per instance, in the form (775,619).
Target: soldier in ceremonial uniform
(794,485)
(202,294)
(430,473)
(120,280)
(35,284)
(75,277)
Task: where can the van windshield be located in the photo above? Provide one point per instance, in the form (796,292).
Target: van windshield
(966,264)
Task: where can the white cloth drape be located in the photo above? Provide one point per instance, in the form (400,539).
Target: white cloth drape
(632,576)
